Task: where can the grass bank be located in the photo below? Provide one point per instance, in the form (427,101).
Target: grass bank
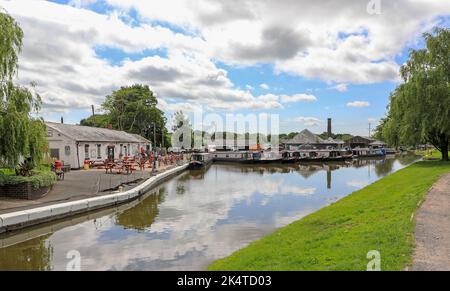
(430,155)
(339,236)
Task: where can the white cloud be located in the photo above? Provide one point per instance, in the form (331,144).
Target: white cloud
(264,86)
(298,98)
(340,87)
(308,121)
(249,87)
(71,76)
(349,47)
(358,104)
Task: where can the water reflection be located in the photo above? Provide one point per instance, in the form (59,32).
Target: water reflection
(142,216)
(34,254)
(196,217)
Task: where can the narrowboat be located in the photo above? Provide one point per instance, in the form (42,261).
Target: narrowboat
(233,157)
(367,153)
(288,157)
(389,151)
(200,161)
(267,157)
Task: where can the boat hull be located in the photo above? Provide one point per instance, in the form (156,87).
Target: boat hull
(196,165)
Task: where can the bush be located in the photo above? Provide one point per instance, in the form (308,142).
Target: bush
(39,179)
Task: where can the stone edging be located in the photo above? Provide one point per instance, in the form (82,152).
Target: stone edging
(21,219)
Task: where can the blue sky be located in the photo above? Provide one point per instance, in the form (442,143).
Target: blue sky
(223,57)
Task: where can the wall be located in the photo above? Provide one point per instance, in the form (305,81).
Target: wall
(59,141)
(23,191)
(134,150)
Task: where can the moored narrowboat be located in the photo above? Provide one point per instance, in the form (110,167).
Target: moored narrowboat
(233,157)
(288,157)
(200,161)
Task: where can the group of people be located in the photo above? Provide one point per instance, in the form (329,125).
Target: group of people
(153,158)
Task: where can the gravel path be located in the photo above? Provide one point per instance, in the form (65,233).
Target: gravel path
(433,229)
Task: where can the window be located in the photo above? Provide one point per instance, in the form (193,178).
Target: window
(54,153)
(99,151)
(86,152)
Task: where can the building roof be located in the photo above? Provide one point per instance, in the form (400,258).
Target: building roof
(305,137)
(378,142)
(334,141)
(365,139)
(95,134)
(141,138)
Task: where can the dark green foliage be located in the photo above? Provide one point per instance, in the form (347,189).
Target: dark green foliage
(39,179)
(419,109)
(100,120)
(133,109)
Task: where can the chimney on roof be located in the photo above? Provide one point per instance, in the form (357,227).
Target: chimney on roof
(62,120)
(109,126)
(329,133)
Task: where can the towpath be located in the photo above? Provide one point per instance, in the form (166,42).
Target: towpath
(433,229)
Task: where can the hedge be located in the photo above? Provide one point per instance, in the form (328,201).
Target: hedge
(39,179)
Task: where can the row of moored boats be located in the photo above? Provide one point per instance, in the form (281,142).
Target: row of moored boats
(200,160)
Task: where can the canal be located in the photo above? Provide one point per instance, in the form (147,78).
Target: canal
(193,219)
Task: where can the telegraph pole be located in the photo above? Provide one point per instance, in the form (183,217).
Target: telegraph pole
(370,129)
(93,114)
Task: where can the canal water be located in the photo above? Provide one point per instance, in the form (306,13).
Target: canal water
(193,219)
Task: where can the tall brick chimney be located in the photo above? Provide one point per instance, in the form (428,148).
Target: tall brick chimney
(329,132)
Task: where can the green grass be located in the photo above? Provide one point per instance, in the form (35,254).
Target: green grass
(4,171)
(339,236)
(430,155)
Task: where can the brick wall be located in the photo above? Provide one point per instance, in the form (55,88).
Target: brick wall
(23,191)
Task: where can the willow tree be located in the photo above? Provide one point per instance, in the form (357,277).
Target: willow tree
(419,109)
(21,136)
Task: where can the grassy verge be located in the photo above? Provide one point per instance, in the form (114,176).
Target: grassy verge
(430,155)
(339,236)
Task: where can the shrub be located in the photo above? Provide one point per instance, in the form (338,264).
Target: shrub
(39,179)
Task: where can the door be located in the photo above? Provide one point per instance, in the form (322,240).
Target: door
(111,153)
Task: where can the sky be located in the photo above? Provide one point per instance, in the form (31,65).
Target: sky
(305,61)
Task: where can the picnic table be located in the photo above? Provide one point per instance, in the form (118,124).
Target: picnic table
(128,167)
(121,167)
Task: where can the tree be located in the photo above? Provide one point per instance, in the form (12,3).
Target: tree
(99,120)
(181,126)
(419,109)
(21,136)
(133,109)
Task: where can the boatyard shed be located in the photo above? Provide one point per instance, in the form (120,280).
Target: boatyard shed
(365,142)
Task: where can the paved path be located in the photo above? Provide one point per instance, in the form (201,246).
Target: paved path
(433,229)
(81,185)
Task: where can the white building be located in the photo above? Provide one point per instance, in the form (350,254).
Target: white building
(73,144)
